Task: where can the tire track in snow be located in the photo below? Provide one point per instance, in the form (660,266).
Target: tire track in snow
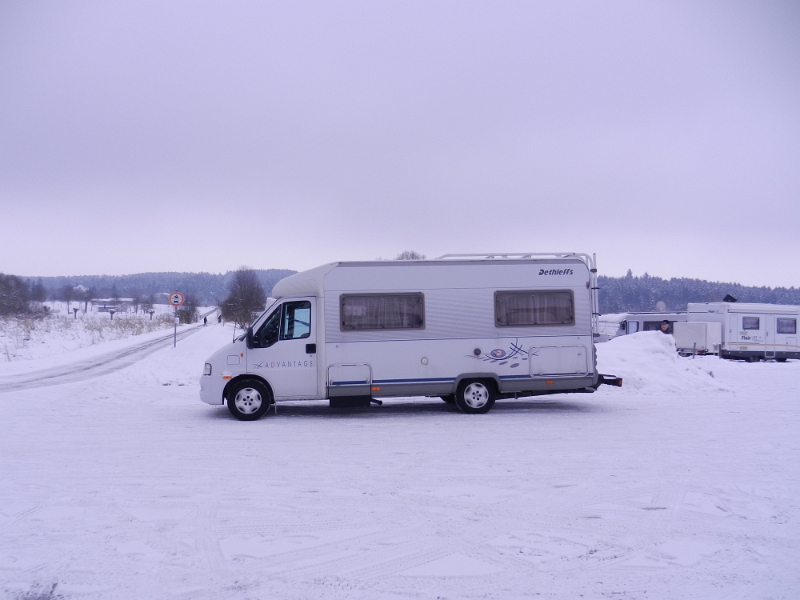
(19,517)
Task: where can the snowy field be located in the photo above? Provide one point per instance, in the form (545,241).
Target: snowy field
(61,330)
(683,484)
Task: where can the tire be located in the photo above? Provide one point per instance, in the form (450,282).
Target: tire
(475,396)
(781,359)
(450,399)
(753,358)
(249,399)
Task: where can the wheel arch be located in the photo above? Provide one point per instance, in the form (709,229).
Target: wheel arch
(250,377)
(490,377)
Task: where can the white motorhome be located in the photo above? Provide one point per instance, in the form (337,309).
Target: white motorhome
(752,331)
(613,325)
(469,329)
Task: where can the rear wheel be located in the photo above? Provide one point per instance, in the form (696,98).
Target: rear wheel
(475,396)
(249,399)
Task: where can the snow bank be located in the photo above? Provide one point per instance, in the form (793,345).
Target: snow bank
(648,364)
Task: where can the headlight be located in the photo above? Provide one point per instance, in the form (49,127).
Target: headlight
(207,369)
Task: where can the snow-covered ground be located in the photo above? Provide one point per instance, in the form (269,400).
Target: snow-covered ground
(61,330)
(679,485)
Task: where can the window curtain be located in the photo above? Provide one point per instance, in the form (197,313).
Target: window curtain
(382,312)
(545,308)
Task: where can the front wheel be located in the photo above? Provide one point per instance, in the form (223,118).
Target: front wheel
(248,400)
(475,396)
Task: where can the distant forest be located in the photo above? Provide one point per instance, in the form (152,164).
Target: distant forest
(208,289)
(617,294)
(629,293)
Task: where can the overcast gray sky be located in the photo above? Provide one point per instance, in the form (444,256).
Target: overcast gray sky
(195,136)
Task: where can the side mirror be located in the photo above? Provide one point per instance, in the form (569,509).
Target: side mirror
(249,338)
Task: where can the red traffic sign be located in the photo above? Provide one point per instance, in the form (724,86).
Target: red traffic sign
(176,299)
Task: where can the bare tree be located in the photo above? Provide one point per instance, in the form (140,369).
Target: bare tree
(187,313)
(82,294)
(410,255)
(86,296)
(67,294)
(246,297)
(148,302)
(38,291)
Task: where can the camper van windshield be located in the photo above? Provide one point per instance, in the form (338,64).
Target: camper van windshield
(260,319)
(267,334)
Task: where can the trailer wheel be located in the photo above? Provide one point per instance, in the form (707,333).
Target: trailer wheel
(753,358)
(781,359)
(249,399)
(475,396)
(450,398)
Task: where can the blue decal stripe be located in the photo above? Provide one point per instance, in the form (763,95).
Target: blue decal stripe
(431,380)
(545,375)
(349,382)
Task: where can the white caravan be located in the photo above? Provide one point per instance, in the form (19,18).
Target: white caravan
(697,338)
(752,331)
(467,328)
(613,325)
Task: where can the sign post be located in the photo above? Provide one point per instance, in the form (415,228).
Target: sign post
(176,299)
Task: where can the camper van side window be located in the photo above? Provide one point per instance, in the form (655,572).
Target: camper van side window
(751,323)
(523,309)
(382,311)
(656,326)
(787,326)
(296,320)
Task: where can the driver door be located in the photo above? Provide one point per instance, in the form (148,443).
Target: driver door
(284,350)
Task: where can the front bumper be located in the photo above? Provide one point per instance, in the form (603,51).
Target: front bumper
(211,388)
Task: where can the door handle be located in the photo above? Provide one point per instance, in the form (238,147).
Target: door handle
(311,348)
